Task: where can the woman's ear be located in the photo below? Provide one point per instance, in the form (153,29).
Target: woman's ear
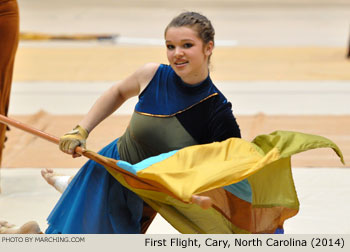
(208,50)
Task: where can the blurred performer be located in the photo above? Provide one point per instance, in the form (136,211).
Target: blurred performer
(30,227)
(9,36)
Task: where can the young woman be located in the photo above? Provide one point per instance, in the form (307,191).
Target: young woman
(178,106)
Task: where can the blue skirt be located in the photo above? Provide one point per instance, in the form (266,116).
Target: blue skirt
(96,203)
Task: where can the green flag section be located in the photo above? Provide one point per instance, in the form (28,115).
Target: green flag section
(250,183)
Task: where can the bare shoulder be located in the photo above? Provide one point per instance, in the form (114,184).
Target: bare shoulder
(151,66)
(146,72)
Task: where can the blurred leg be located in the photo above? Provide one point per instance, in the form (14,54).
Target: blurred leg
(30,227)
(9,34)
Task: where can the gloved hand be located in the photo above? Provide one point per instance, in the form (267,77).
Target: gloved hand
(76,137)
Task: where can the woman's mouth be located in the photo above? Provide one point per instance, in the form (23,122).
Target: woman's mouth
(180,63)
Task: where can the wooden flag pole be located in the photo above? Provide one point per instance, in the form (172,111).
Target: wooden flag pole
(53,139)
(203,201)
(24,127)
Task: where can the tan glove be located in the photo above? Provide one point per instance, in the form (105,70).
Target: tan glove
(76,137)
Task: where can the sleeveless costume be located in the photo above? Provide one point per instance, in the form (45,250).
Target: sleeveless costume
(169,115)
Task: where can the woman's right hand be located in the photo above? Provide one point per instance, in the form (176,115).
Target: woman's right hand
(76,137)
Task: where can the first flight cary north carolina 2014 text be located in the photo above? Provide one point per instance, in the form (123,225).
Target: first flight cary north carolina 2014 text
(240,242)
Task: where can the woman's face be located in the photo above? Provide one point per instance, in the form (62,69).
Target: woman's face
(187,54)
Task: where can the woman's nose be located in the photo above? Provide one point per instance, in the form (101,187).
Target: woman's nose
(178,52)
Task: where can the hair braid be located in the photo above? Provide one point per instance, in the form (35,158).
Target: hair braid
(197,21)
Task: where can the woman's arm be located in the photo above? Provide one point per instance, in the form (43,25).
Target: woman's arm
(115,96)
(105,105)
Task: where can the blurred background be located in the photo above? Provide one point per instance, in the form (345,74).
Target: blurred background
(283,64)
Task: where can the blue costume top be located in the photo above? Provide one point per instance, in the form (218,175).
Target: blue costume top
(169,115)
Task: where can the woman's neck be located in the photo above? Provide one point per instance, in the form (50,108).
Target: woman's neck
(196,78)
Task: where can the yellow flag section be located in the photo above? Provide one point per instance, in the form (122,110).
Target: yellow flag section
(250,183)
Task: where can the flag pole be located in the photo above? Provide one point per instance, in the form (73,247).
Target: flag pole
(53,139)
(203,201)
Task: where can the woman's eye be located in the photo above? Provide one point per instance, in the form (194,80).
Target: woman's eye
(188,45)
(170,47)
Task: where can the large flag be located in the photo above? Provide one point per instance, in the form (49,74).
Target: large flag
(250,183)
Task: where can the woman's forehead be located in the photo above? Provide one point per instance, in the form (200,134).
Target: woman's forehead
(181,33)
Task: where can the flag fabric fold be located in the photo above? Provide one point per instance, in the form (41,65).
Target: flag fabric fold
(250,183)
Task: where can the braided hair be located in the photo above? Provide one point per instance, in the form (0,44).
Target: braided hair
(198,22)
